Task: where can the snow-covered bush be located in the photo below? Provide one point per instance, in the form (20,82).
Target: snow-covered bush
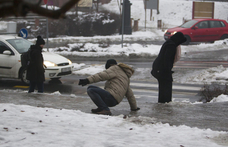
(85,24)
(209,92)
(91,24)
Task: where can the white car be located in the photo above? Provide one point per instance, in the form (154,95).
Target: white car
(11,48)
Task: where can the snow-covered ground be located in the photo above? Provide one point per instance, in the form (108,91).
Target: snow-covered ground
(26,126)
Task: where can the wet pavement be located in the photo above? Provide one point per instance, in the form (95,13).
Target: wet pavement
(182,111)
(204,116)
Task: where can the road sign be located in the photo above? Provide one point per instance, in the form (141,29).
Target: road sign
(85,3)
(24,33)
(45,1)
(151,4)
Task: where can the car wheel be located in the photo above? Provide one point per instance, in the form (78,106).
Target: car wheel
(188,40)
(224,37)
(23,77)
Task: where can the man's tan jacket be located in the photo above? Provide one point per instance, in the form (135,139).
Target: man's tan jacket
(117,79)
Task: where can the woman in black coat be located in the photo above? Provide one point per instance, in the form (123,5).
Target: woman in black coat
(163,64)
(35,70)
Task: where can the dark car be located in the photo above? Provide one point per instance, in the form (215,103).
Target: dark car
(201,30)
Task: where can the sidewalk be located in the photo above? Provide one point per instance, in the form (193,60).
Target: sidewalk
(204,116)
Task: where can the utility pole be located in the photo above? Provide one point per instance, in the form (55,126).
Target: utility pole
(145,11)
(126,19)
(123,22)
(97,5)
(47,26)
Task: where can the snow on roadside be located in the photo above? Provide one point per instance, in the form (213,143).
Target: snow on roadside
(220,98)
(141,50)
(57,128)
(94,50)
(89,70)
(217,74)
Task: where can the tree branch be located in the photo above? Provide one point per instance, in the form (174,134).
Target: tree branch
(22,8)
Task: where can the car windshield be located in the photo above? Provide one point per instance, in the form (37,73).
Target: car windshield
(189,24)
(21,45)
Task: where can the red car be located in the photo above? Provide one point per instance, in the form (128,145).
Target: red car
(201,30)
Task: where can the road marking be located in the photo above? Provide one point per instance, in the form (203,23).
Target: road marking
(200,64)
(181,87)
(18,86)
(150,91)
(155,92)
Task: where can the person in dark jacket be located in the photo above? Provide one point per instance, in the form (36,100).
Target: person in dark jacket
(163,64)
(35,70)
(117,77)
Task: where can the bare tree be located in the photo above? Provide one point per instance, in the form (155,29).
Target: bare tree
(22,8)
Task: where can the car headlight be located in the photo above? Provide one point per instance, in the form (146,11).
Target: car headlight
(49,63)
(69,62)
(173,33)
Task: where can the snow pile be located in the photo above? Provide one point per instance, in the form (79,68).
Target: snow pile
(217,45)
(31,126)
(215,74)
(94,50)
(90,70)
(140,50)
(78,66)
(220,98)
(3,25)
(56,93)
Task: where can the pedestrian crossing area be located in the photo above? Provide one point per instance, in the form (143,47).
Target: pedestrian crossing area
(200,64)
(181,92)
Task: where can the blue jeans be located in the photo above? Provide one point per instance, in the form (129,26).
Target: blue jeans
(103,99)
(32,86)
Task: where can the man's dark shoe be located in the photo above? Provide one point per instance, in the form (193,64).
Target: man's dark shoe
(104,112)
(96,110)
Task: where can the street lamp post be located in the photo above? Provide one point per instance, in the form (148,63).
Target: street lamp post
(126,18)
(47,34)
(122,22)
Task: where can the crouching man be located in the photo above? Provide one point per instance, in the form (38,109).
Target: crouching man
(117,77)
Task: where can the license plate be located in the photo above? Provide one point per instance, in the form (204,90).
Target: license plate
(65,69)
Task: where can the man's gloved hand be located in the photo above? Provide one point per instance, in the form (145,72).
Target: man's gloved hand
(135,109)
(83,82)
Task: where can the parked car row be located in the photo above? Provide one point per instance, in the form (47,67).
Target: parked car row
(201,30)
(11,48)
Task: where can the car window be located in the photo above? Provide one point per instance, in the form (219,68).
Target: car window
(222,23)
(21,45)
(215,24)
(188,24)
(202,25)
(3,47)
